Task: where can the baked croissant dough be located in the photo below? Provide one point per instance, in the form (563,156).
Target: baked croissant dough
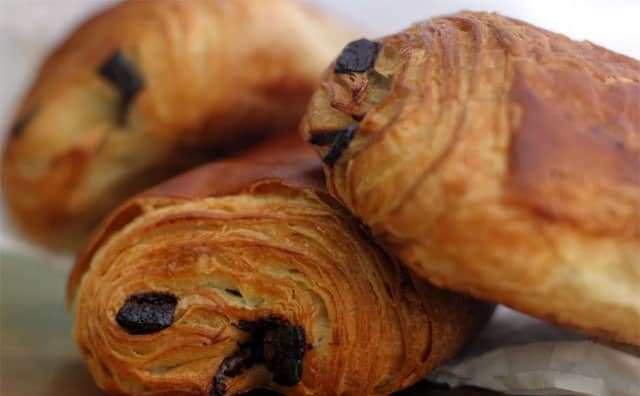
(245,274)
(147,88)
(497,159)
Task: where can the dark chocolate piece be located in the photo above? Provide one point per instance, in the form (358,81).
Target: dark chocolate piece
(340,144)
(276,343)
(20,125)
(124,75)
(256,327)
(284,349)
(323,138)
(147,313)
(357,57)
(232,366)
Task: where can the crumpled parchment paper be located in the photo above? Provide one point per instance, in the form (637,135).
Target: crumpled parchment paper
(520,355)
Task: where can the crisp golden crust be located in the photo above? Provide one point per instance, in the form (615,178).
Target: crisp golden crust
(281,158)
(258,245)
(498,159)
(192,80)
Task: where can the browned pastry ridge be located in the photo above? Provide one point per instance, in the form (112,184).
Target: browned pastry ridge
(147,88)
(497,159)
(246,274)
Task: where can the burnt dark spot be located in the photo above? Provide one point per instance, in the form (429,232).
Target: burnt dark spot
(123,74)
(357,57)
(323,138)
(234,292)
(147,313)
(340,144)
(276,343)
(284,348)
(20,125)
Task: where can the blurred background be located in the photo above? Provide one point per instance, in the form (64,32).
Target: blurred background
(29,28)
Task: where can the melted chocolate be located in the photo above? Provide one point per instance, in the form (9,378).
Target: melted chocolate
(123,74)
(284,348)
(340,144)
(357,57)
(276,343)
(232,366)
(147,313)
(323,138)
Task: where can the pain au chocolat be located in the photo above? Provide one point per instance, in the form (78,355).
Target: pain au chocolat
(245,274)
(497,159)
(147,88)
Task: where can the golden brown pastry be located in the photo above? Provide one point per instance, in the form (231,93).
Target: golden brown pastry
(245,274)
(147,88)
(497,159)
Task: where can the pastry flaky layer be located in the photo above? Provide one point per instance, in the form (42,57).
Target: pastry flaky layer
(245,274)
(147,88)
(494,158)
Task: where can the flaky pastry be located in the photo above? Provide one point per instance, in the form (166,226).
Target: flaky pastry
(497,159)
(246,274)
(147,88)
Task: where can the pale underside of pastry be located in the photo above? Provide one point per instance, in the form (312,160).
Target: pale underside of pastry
(245,274)
(497,159)
(145,89)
